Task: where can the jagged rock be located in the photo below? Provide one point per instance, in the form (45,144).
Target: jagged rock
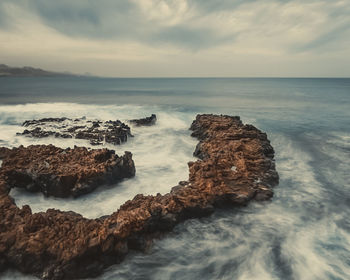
(44,120)
(145,121)
(97,132)
(64,172)
(237,167)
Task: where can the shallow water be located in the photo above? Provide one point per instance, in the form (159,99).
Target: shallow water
(303,233)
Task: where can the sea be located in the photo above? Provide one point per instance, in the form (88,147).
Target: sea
(302,233)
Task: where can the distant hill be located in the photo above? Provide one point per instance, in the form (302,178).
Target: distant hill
(8,71)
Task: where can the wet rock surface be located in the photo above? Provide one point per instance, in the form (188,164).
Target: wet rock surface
(97,132)
(63,172)
(148,121)
(4,152)
(236,166)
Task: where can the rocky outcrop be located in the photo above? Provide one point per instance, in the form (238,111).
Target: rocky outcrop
(236,166)
(148,121)
(97,132)
(64,172)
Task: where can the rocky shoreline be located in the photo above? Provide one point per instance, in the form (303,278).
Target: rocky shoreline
(236,166)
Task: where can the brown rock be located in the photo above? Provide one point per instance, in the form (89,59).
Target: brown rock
(237,166)
(4,152)
(64,172)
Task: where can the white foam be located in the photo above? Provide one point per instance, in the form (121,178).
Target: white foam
(160,152)
(295,236)
(293,163)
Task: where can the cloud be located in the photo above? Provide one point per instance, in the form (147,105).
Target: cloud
(92,19)
(336,38)
(160,32)
(193,24)
(331,32)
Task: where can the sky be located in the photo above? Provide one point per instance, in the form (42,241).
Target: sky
(179,38)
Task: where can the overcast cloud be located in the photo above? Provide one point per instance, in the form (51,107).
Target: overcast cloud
(178,38)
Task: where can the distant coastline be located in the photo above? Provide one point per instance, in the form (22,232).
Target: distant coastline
(27,71)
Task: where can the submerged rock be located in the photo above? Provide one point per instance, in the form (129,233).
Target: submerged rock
(145,121)
(97,132)
(237,166)
(64,172)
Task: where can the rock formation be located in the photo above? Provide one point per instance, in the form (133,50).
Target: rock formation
(145,121)
(114,132)
(236,165)
(63,172)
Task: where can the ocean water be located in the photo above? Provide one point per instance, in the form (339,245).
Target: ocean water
(302,233)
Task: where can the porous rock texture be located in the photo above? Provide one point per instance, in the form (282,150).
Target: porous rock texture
(236,166)
(96,131)
(63,172)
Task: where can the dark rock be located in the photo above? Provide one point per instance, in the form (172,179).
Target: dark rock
(145,121)
(114,132)
(33,122)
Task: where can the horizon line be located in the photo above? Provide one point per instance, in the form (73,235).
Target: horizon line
(213,77)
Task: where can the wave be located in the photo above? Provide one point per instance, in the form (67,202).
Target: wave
(303,233)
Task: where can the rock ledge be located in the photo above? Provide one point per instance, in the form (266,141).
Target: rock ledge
(63,172)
